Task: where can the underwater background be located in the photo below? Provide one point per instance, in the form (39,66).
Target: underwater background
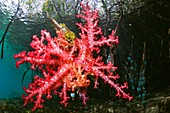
(10,82)
(142,55)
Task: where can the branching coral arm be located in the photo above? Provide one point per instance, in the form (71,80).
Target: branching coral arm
(41,87)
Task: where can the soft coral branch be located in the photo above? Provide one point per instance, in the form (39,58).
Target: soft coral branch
(67,65)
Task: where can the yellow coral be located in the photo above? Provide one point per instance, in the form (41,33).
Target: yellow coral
(68,35)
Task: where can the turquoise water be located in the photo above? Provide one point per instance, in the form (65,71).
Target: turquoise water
(10,76)
(17,39)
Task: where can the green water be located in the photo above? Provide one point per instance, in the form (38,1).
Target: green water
(10,76)
(17,39)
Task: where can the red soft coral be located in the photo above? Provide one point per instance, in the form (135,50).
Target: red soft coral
(67,65)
